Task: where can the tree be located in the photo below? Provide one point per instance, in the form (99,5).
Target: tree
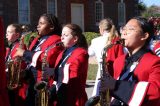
(141,7)
(152,11)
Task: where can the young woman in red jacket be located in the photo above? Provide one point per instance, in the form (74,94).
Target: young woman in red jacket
(43,49)
(136,79)
(71,69)
(17,87)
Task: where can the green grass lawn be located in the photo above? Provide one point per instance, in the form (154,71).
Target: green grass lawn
(92,71)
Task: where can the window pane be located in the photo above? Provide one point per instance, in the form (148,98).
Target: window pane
(121,14)
(99,11)
(51,7)
(23,11)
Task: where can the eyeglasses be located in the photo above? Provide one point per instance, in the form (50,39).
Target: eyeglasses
(130,29)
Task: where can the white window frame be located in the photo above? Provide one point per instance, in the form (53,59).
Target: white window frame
(48,11)
(102,12)
(21,17)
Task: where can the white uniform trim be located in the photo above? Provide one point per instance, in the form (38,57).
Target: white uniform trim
(157,50)
(66,73)
(35,58)
(138,94)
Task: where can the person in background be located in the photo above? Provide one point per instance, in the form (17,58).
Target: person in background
(155,42)
(43,49)
(4,100)
(138,72)
(71,69)
(15,40)
(108,36)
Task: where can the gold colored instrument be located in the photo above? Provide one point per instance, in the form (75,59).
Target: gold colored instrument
(104,98)
(14,68)
(42,86)
(42,94)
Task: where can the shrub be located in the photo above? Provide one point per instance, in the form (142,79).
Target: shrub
(28,37)
(90,35)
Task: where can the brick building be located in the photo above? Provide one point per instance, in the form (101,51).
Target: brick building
(86,13)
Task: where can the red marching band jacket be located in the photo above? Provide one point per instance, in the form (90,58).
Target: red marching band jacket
(146,91)
(51,54)
(3,91)
(20,92)
(156,49)
(112,53)
(75,75)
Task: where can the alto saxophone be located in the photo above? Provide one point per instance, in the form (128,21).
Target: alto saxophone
(41,87)
(104,98)
(14,68)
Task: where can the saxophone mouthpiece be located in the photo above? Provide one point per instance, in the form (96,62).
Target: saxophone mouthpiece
(59,44)
(121,41)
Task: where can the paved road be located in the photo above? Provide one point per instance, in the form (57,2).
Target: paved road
(89,87)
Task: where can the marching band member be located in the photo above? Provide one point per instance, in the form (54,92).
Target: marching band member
(16,94)
(71,69)
(137,74)
(49,30)
(108,36)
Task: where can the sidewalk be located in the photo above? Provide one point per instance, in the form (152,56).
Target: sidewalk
(89,87)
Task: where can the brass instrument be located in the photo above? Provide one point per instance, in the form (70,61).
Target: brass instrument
(42,86)
(104,98)
(42,94)
(14,68)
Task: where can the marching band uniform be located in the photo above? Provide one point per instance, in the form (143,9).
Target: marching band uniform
(35,55)
(111,55)
(3,91)
(17,95)
(70,77)
(142,84)
(38,49)
(136,79)
(156,49)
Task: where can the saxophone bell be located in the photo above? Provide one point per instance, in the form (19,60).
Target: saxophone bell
(40,85)
(42,94)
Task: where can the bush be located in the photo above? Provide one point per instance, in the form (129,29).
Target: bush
(27,38)
(90,35)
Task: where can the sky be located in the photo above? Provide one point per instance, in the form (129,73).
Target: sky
(151,2)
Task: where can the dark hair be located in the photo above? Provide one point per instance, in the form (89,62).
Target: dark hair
(25,28)
(18,27)
(77,31)
(53,20)
(146,26)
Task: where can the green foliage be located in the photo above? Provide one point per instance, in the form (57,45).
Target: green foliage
(28,38)
(90,35)
(152,11)
(141,6)
(92,71)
